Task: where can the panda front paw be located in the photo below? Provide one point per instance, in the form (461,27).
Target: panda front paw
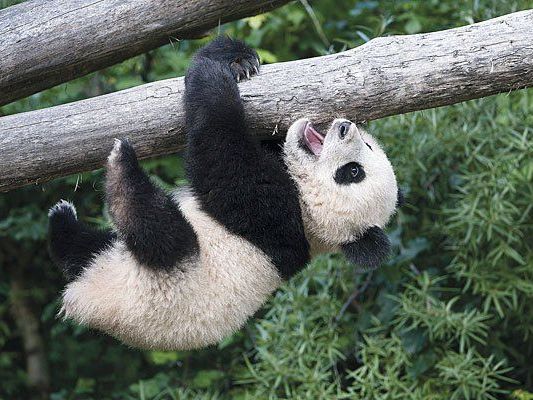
(369,251)
(244,68)
(242,60)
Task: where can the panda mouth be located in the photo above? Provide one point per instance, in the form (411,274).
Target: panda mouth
(313,139)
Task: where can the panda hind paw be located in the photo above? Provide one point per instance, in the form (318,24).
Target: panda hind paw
(122,152)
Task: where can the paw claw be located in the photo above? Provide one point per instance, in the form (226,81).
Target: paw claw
(243,61)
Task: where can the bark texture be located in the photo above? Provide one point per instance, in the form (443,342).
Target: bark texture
(386,76)
(46,42)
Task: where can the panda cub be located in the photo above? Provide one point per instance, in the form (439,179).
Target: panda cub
(183,270)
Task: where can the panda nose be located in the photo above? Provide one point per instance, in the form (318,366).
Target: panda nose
(344,128)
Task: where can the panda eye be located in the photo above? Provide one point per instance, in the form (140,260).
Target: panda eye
(342,132)
(352,172)
(343,129)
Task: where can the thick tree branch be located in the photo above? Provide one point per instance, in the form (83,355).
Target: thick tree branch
(46,42)
(387,76)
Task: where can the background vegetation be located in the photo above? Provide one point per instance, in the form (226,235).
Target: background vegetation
(449,317)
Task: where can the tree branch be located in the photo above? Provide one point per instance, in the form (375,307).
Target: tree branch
(386,76)
(46,42)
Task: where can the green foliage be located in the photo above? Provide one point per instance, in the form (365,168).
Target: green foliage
(298,342)
(522,395)
(449,317)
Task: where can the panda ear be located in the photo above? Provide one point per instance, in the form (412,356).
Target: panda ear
(370,250)
(400,200)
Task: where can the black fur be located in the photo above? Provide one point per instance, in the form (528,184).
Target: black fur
(147,219)
(370,250)
(236,182)
(72,245)
(352,172)
(400,200)
(242,60)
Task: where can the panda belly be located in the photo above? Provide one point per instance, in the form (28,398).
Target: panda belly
(198,303)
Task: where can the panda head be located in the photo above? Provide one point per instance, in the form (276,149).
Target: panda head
(346,182)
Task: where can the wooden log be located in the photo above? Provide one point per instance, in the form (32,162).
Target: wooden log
(47,42)
(386,76)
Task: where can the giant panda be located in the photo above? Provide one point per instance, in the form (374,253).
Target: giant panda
(183,270)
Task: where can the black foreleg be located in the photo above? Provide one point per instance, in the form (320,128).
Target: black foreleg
(370,250)
(236,183)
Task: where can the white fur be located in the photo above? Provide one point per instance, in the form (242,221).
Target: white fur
(115,152)
(333,213)
(199,303)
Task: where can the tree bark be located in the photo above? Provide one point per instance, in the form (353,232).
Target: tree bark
(386,76)
(46,42)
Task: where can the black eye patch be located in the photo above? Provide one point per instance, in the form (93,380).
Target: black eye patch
(350,173)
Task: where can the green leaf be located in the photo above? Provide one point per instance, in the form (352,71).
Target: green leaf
(207,378)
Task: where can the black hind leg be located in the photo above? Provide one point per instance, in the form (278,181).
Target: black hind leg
(147,218)
(72,245)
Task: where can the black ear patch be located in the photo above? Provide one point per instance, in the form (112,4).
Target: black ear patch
(400,201)
(370,250)
(352,172)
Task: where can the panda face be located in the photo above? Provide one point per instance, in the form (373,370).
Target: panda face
(346,182)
